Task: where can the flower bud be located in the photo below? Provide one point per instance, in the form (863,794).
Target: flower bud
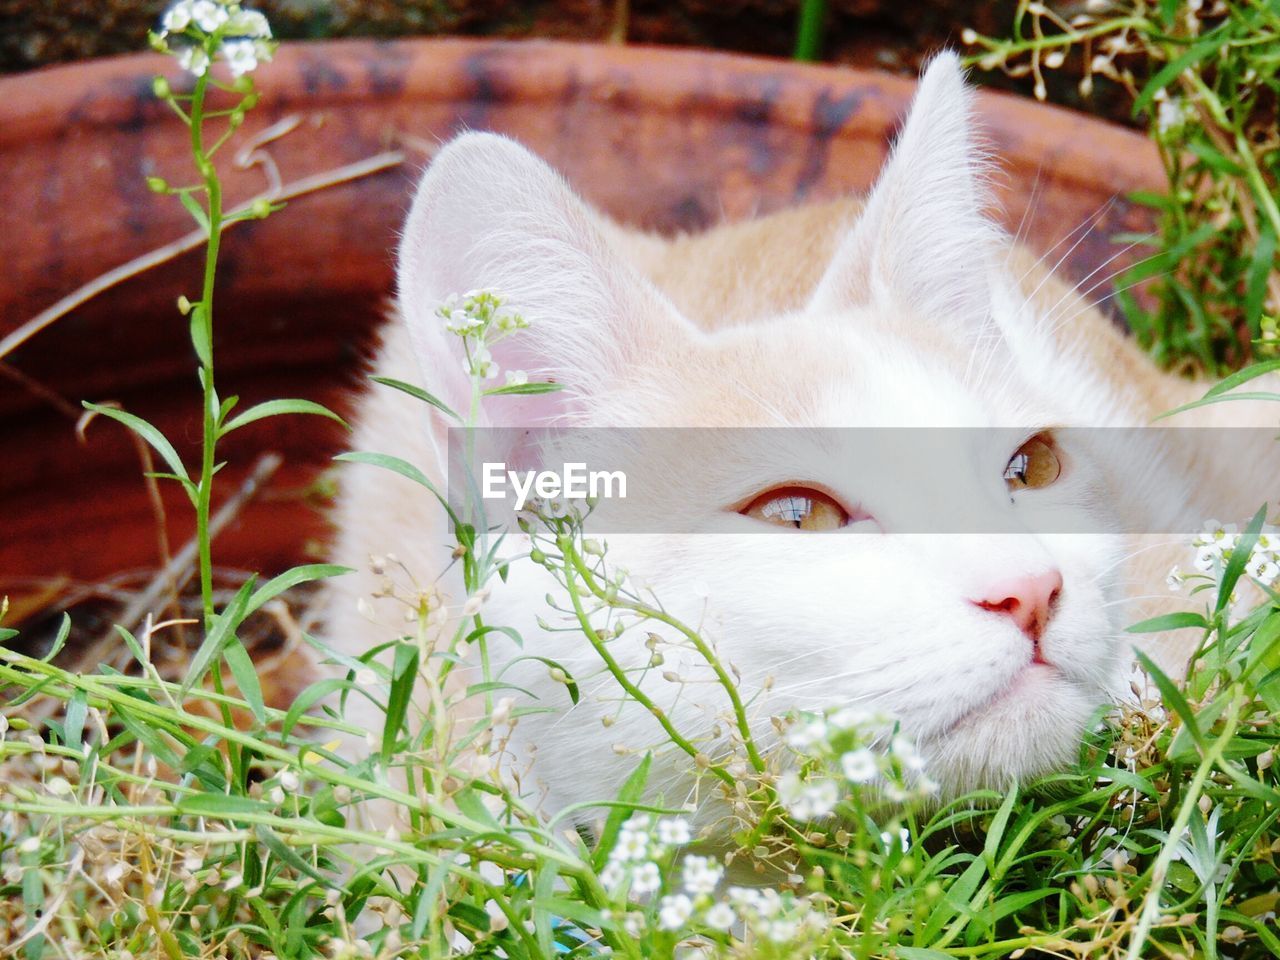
(160,87)
(260,208)
(157,184)
(184,305)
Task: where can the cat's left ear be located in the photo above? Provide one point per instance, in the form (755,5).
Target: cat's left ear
(923,241)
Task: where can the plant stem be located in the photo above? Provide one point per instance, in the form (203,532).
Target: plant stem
(204,492)
(809,30)
(699,644)
(572,564)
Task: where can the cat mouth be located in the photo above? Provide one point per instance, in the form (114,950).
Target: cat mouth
(1031,680)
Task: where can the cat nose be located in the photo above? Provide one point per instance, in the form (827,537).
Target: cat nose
(1027,598)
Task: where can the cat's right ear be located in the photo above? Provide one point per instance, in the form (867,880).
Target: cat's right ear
(924,240)
(489,215)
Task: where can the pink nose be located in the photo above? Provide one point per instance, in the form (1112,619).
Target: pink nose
(1027,598)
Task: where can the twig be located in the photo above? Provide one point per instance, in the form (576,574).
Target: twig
(154,258)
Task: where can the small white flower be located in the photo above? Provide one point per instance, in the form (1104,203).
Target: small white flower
(289,781)
(366,677)
(633,924)
(1222,536)
(852,718)
(859,766)
(517,378)
(807,734)
(783,930)
(29,845)
(1207,558)
(209,16)
(1172,114)
(250,23)
(645,878)
(674,831)
(720,917)
(241,55)
(807,802)
(177,17)
(613,875)
(1175,579)
(276,796)
(194,60)
(905,751)
(701,875)
(1262,568)
(822,798)
(674,911)
(904,839)
(631,845)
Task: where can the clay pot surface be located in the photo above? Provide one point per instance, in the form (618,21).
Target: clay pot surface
(665,139)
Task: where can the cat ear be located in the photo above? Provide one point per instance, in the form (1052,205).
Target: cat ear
(489,215)
(923,239)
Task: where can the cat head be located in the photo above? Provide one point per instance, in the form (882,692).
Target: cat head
(991,650)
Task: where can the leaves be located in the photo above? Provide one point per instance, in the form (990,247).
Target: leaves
(223,628)
(418,393)
(276,408)
(147,432)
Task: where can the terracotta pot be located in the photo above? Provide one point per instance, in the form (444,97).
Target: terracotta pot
(666,139)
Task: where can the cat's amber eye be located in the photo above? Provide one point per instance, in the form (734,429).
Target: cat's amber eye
(1035,464)
(801,508)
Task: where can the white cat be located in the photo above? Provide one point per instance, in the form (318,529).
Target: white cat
(909,310)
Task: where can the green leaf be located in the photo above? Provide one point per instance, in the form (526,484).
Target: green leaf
(276,408)
(224,626)
(1174,698)
(193,207)
(1222,398)
(219,806)
(246,677)
(73,722)
(404,673)
(417,392)
(308,698)
(201,335)
(1169,72)
(631,792)
(147,432)
(1215,159)
(134,647)
(523,388)
(995,833)
(405,469)
(1250,372)
(1170,621)
(1260,267)
(271,840)
(291,578)
(59,641)
(571,685)
(1240,558)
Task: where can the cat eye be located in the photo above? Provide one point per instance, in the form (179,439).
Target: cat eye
(801,508)
(1034,465)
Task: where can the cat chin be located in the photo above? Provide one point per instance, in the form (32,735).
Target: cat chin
(1031,728)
